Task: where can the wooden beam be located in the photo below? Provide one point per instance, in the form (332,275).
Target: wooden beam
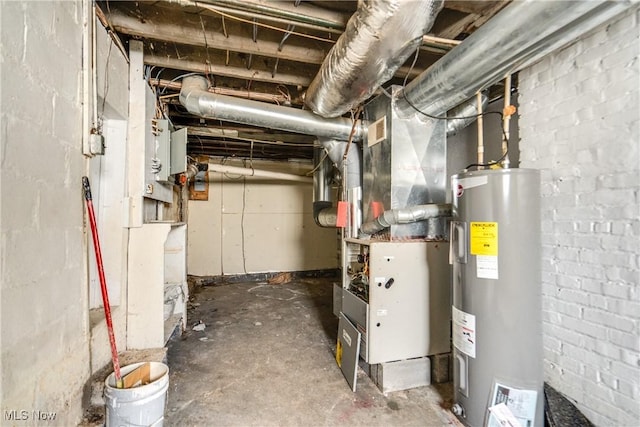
(165,24)
(198,61)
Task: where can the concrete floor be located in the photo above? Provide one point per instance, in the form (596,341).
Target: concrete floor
(266,358)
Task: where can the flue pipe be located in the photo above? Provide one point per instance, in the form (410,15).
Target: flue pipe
(378,39)
(235,170)
(520,34)
(406,215)
(197,100)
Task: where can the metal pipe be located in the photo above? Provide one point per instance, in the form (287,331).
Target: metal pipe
(322,188)
(506,117)
(480,130)
(404,216)
(464,114)
(197,100)
(378,39)
(214,167)
(520,34)
(321,176)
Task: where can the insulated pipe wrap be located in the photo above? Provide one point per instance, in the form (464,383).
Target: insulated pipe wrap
(197,100)
(378,39)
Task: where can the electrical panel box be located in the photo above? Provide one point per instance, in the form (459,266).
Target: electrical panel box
(398,296)
(171,150)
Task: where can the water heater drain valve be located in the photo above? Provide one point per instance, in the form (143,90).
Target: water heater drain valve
(457,410)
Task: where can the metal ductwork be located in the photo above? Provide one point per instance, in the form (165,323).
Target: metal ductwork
(464,114)
(323,212)
(322,189)
(404,216)
(378,39)
(197,100)
(517,36)
(336,150)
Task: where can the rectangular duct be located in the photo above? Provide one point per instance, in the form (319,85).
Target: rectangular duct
(404,165)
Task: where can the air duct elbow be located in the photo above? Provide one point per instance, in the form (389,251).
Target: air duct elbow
(404,216)
(325,215)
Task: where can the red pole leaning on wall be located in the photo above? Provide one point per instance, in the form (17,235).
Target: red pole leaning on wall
(103,281)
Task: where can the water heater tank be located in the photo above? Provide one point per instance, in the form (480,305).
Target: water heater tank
(496,313)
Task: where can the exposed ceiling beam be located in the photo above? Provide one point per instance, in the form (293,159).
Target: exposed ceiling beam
(258,96)
(189,60)
(302,13)
(472,6)
(197,30)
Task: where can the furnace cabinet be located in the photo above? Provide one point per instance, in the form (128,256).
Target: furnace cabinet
(397,294)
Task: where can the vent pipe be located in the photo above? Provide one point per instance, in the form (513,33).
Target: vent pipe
(404,216)
(323,212)
(519,35)
(378,39)
(197,100)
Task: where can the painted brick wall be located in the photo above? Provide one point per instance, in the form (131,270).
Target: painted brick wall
(44,340)
(579,123)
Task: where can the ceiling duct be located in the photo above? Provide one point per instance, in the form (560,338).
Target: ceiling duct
(197,100)
(378,39)
(519,35)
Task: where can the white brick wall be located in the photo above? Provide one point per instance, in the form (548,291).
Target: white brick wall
(579,123)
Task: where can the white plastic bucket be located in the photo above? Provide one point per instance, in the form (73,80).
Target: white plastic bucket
(137,406)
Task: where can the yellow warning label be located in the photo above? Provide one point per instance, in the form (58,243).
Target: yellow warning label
(484,238)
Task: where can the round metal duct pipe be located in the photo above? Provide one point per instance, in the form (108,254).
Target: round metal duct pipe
(197,100)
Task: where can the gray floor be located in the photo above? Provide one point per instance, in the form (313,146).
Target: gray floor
(266,358)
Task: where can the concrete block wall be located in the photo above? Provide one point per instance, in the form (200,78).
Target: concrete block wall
(48,346)
(579,124)
(44,314)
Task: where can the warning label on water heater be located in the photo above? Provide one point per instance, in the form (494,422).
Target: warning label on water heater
(484,245)
(464,331)
(484,238)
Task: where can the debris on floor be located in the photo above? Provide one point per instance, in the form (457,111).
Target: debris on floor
(284,371)
(199,327)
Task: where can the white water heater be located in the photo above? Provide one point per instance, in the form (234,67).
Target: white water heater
(496,313)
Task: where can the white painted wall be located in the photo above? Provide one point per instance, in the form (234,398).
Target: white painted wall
(256,225)
(48,349)
(44,306)
(579,124)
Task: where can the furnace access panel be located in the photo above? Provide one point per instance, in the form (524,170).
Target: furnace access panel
(397,295)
